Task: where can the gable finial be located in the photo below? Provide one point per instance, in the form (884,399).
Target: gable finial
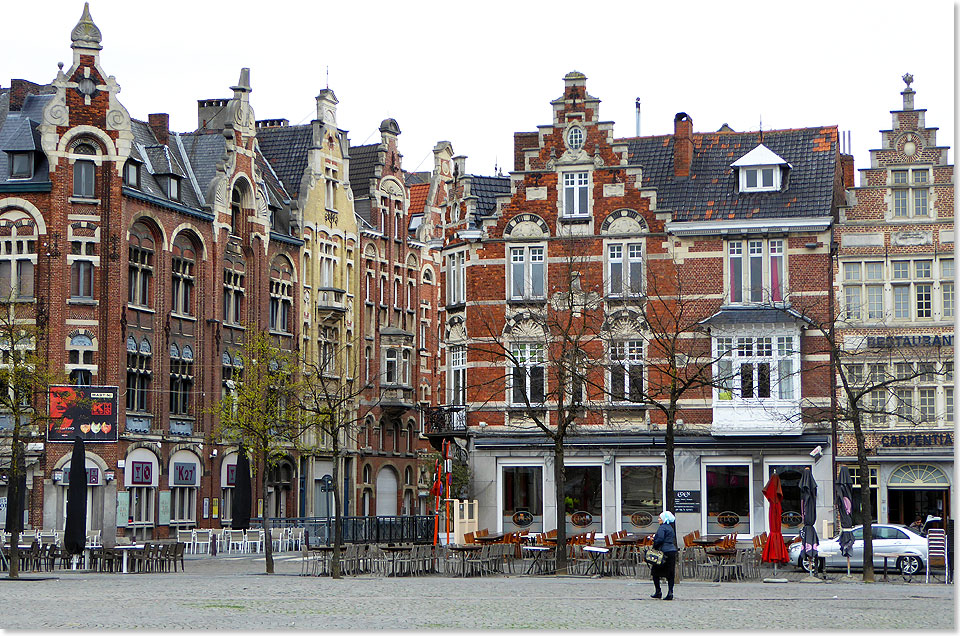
(86,35)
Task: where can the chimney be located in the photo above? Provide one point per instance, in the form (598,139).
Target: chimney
(211,113)
(272,123)
(682,145)
(160,125)
(846,164)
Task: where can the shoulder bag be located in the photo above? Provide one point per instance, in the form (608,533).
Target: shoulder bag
(653,557)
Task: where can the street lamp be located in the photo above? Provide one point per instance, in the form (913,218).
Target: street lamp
(327,481)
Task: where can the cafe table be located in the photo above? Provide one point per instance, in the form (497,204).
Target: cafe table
(707,540)
(596,559)
(490,538)
(722,556)
(629,539)
(125,550)
(539,552)
(463,551)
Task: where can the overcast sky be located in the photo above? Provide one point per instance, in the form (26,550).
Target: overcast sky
(473,73)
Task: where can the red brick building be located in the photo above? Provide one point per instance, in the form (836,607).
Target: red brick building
(739,221)
(144,251)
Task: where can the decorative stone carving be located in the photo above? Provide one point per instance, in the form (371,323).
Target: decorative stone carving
(526,226)
(537,194)
(623,221)
(912,237)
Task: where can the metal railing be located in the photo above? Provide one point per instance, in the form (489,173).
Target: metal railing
(445,419)
(382,529)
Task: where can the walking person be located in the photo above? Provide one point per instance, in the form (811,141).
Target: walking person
(666,541)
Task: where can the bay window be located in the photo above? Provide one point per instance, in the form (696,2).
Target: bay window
(756,368)
(457,357)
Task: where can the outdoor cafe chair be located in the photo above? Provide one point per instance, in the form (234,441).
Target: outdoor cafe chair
(278,539)
(468,537)
(93,539)
(138,559)
(187,537)
(201,541)
(255,540)
(236,538)
(296,538)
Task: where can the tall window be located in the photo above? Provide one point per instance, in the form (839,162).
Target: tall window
(140,265)
(281,296)
(18,255)
(626,371)
(529,374)
(522,498)
(756,270)
(233,291)
(183,507)
(625,268)
(83,172)
(456,278)
(863,290)
(762,368)
(576,200)
(181,379)
(912,289)
(457,357)
(236,210)
(873,486)
(138,374)
(330,201)
(80,364)
(910,189)
(81,269)
(182,273)
(946,288)
(329,342)
(527,272)
(392,366)
(728,498)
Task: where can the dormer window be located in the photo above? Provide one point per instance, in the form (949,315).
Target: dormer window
(21,165)
(760,170)
(173,188)
(131,174)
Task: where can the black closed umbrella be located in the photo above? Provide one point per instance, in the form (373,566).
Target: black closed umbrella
(16,494)
(75,533)
(242,495)
(808,509)
(844,497)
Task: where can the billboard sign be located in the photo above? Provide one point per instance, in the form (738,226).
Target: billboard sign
(87,411)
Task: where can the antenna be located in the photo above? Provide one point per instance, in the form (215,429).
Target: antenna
(328,76)
(761,128)
(638,117)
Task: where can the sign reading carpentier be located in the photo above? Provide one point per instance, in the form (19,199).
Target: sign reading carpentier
(87,411)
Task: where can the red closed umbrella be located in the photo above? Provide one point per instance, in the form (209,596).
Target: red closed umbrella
(775,551)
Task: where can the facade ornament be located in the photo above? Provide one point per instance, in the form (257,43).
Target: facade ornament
(86,35)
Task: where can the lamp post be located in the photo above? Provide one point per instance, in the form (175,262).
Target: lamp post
(327,480)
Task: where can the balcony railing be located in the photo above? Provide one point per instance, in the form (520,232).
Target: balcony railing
(442,420)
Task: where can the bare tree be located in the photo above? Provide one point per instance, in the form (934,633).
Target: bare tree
(867,385)
(329,400)
(260,412)
(25,378)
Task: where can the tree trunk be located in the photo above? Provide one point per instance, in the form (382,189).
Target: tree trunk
(866,506)
(671,461)
(14,478)
(559,480)
(267,540)
(337,520)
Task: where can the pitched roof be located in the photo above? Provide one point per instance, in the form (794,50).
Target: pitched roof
(418,197)
(411,178)
(158,160)
(286,148)
(363,163)
(487,189)
(203,152)
(710,192)
(18,132)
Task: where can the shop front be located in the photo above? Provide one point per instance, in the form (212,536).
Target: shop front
(138,503)
(615,483)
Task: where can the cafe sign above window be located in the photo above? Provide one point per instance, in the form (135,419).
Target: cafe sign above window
(916,439)
(896,342)
(581,519)
(522,518)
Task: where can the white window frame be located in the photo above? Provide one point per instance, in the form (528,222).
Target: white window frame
(780,351)
(771,254)
(528,356)
(575,199)
(183,499)
(547,498)
(624,355)
(527,257)
(457,364)
(619,465)
(910,190)
(627,256)
(759,173)
(733,460)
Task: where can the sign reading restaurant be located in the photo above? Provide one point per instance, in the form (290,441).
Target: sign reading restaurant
(895,342)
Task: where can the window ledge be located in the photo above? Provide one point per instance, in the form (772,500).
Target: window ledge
(277,332)
(628,405)
(174,314)
(90,302)
(575,219)
(145,310)
(15,301)
(84,200)
(235,325)
(456,306)
(529,301)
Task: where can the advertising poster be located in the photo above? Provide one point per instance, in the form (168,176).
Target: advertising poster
(163,508)
(90,411)
(206,507)
(215,508)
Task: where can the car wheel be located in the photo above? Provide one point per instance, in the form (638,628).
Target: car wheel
(811,564)
(909,565)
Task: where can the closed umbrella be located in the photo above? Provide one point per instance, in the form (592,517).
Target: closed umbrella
(16,495)
(844,496)
(242,496)
(775,551)
(808,509)
(75,532)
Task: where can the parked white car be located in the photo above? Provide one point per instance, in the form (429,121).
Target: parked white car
(887,539)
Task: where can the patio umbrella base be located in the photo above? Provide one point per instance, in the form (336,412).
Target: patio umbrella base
(848,577)
(776,581)
(811,579)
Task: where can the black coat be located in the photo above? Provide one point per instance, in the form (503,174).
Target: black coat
(665,539)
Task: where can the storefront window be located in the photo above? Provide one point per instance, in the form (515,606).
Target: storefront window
(583,497)
(523,498)
(728,499)
(791,520)
(641,497)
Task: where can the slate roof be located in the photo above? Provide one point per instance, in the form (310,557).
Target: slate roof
(203,152)
(414,178)
(286,148)
(363,163)
(710,192)
(158,160)
(18,132)
(487,189)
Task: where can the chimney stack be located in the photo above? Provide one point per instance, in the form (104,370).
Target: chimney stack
(682,145)
(160,125)
(846,164)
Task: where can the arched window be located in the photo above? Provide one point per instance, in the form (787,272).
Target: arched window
(80,364)
(140,267)
(408,476)
(367,472)
(183,266)
(396,437)
(234,274)
(84,181)
(281,296)
(18,255)
(410,437)
(411,296)
(236,210)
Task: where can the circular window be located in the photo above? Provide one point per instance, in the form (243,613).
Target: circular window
(575,138)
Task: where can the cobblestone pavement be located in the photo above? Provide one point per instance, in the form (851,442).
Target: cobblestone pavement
(231,592)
